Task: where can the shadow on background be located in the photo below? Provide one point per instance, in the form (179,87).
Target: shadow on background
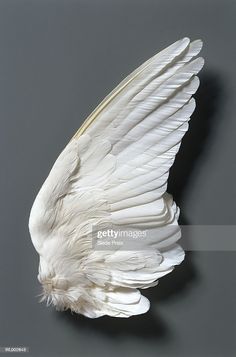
(142,326)
(192,150)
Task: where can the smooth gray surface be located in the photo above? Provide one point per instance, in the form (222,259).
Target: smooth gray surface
(57,61)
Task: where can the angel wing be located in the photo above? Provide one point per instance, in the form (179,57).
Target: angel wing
(113,173)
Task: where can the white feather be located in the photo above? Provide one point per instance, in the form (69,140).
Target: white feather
(114,173)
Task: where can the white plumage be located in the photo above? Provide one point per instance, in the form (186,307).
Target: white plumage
(114,172)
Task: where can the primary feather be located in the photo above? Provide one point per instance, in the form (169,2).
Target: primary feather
(113,173)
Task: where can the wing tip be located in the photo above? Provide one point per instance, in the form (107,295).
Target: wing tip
(201,62)
(196,65)
(197,45)
(199,40)
(185,40)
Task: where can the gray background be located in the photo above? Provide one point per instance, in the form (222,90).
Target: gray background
(57,61)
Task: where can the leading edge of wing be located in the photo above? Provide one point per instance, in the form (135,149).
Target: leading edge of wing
(176,48)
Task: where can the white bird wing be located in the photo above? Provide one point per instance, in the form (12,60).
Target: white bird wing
(114,172)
